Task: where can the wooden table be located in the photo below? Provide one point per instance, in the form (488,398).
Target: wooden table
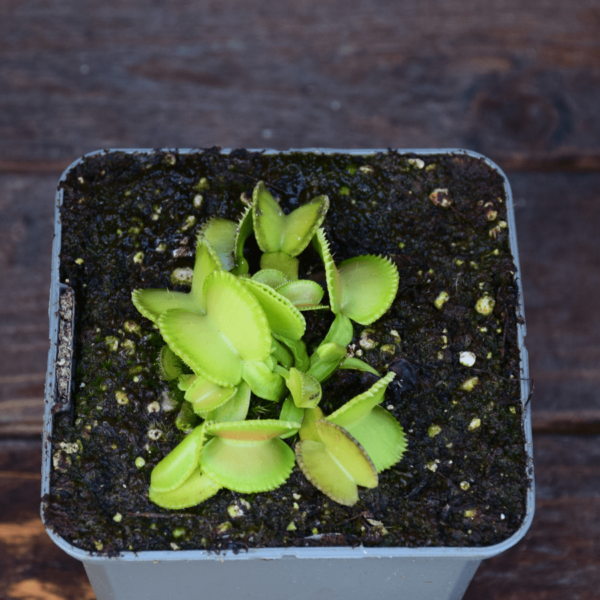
(519,82)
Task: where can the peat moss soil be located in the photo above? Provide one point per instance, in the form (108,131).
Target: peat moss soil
(129,220)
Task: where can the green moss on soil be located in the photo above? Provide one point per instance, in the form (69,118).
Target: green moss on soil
(128,218)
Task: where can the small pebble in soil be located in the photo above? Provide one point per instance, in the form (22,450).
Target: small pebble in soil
(132,327)
(474,424)
(182,276)
(485,305)
(235,511)
(469,384)
(154,434)
(112,343)
(434,430)
(440,197)
(441,299)
(366,342)
(467,358)
(121,397)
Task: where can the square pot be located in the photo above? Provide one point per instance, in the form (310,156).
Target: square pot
(273,573)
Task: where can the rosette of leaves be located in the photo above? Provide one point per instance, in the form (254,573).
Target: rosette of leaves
(235,341)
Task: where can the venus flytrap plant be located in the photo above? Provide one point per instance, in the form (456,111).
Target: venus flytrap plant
(282,237)
(228,239)
(178,481)
(375,428)
(240,335)
(152,303)
(335,463)
(248,456)
(362,288)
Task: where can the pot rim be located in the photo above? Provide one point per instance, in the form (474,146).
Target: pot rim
(341,552)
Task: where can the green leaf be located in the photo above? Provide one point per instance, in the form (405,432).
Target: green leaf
(360,406)
(186,419)
(243,231)
(369,286)
(291,234)
(169,364)
(305,389)
(199,343)
(302,293)
(348,453)
(153,303)
(381,436)
(290,412)
(179,464)
(251,431)
(298,349)
(205,395)
(281,354)
(262,381)
(302,223)
(235,409)
(280,261)
(248,467)
(308,431)
(197,488)
(270,277)
(326,360)
(247,456)
(358,365)
(207,261)
(269,219)
(185,381)
(324,472)
(234,329)
(283,317)
(337,464)
(341,331)
(221,234)
(238,316)
(334,283)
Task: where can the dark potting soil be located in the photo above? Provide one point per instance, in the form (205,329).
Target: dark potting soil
(130,220)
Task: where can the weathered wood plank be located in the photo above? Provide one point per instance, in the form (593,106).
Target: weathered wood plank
(27,209)
(557,222)
(565,422)
(503,77)
(22,417)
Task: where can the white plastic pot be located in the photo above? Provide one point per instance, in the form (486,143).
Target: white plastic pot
(335,573)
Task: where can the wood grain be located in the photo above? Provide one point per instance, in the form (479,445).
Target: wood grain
(503,77)
(557,222)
